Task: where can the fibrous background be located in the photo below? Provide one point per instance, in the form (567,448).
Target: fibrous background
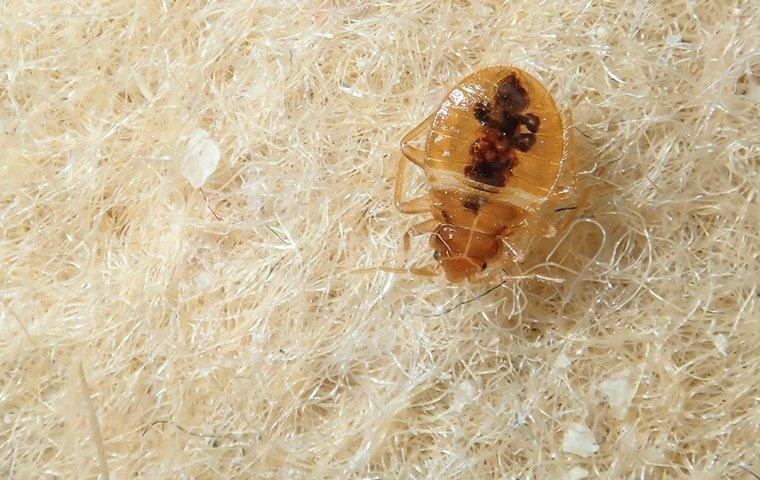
(195,198)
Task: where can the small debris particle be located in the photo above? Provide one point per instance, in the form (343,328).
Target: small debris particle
(201,158)
(562,361)
(579,441)
(721,343)
(205,280)
(577,473)
(464,393)
(619,393)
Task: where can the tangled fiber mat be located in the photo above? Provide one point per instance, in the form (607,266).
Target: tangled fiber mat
(195,198)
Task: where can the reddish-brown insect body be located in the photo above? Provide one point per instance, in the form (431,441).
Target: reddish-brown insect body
(498,162)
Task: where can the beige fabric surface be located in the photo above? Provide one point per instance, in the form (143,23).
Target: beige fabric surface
(194,198)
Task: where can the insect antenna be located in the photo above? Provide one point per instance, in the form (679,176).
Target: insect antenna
(469,300)
(565,208)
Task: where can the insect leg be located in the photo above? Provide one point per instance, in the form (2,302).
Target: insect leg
(423,272)
(415,155)
(428,226)
(416,205)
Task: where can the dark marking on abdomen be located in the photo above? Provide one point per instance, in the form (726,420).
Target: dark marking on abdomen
(493,153)
(493,158)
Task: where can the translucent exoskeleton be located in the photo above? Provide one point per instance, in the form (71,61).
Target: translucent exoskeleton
(499,168)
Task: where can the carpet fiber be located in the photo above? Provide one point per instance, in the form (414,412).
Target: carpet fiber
(195,198)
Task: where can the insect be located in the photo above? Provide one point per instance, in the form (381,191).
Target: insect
(498,163)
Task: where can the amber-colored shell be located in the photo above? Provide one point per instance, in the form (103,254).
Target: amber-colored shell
(497,150)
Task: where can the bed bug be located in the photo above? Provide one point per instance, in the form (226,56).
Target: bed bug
(499,168)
